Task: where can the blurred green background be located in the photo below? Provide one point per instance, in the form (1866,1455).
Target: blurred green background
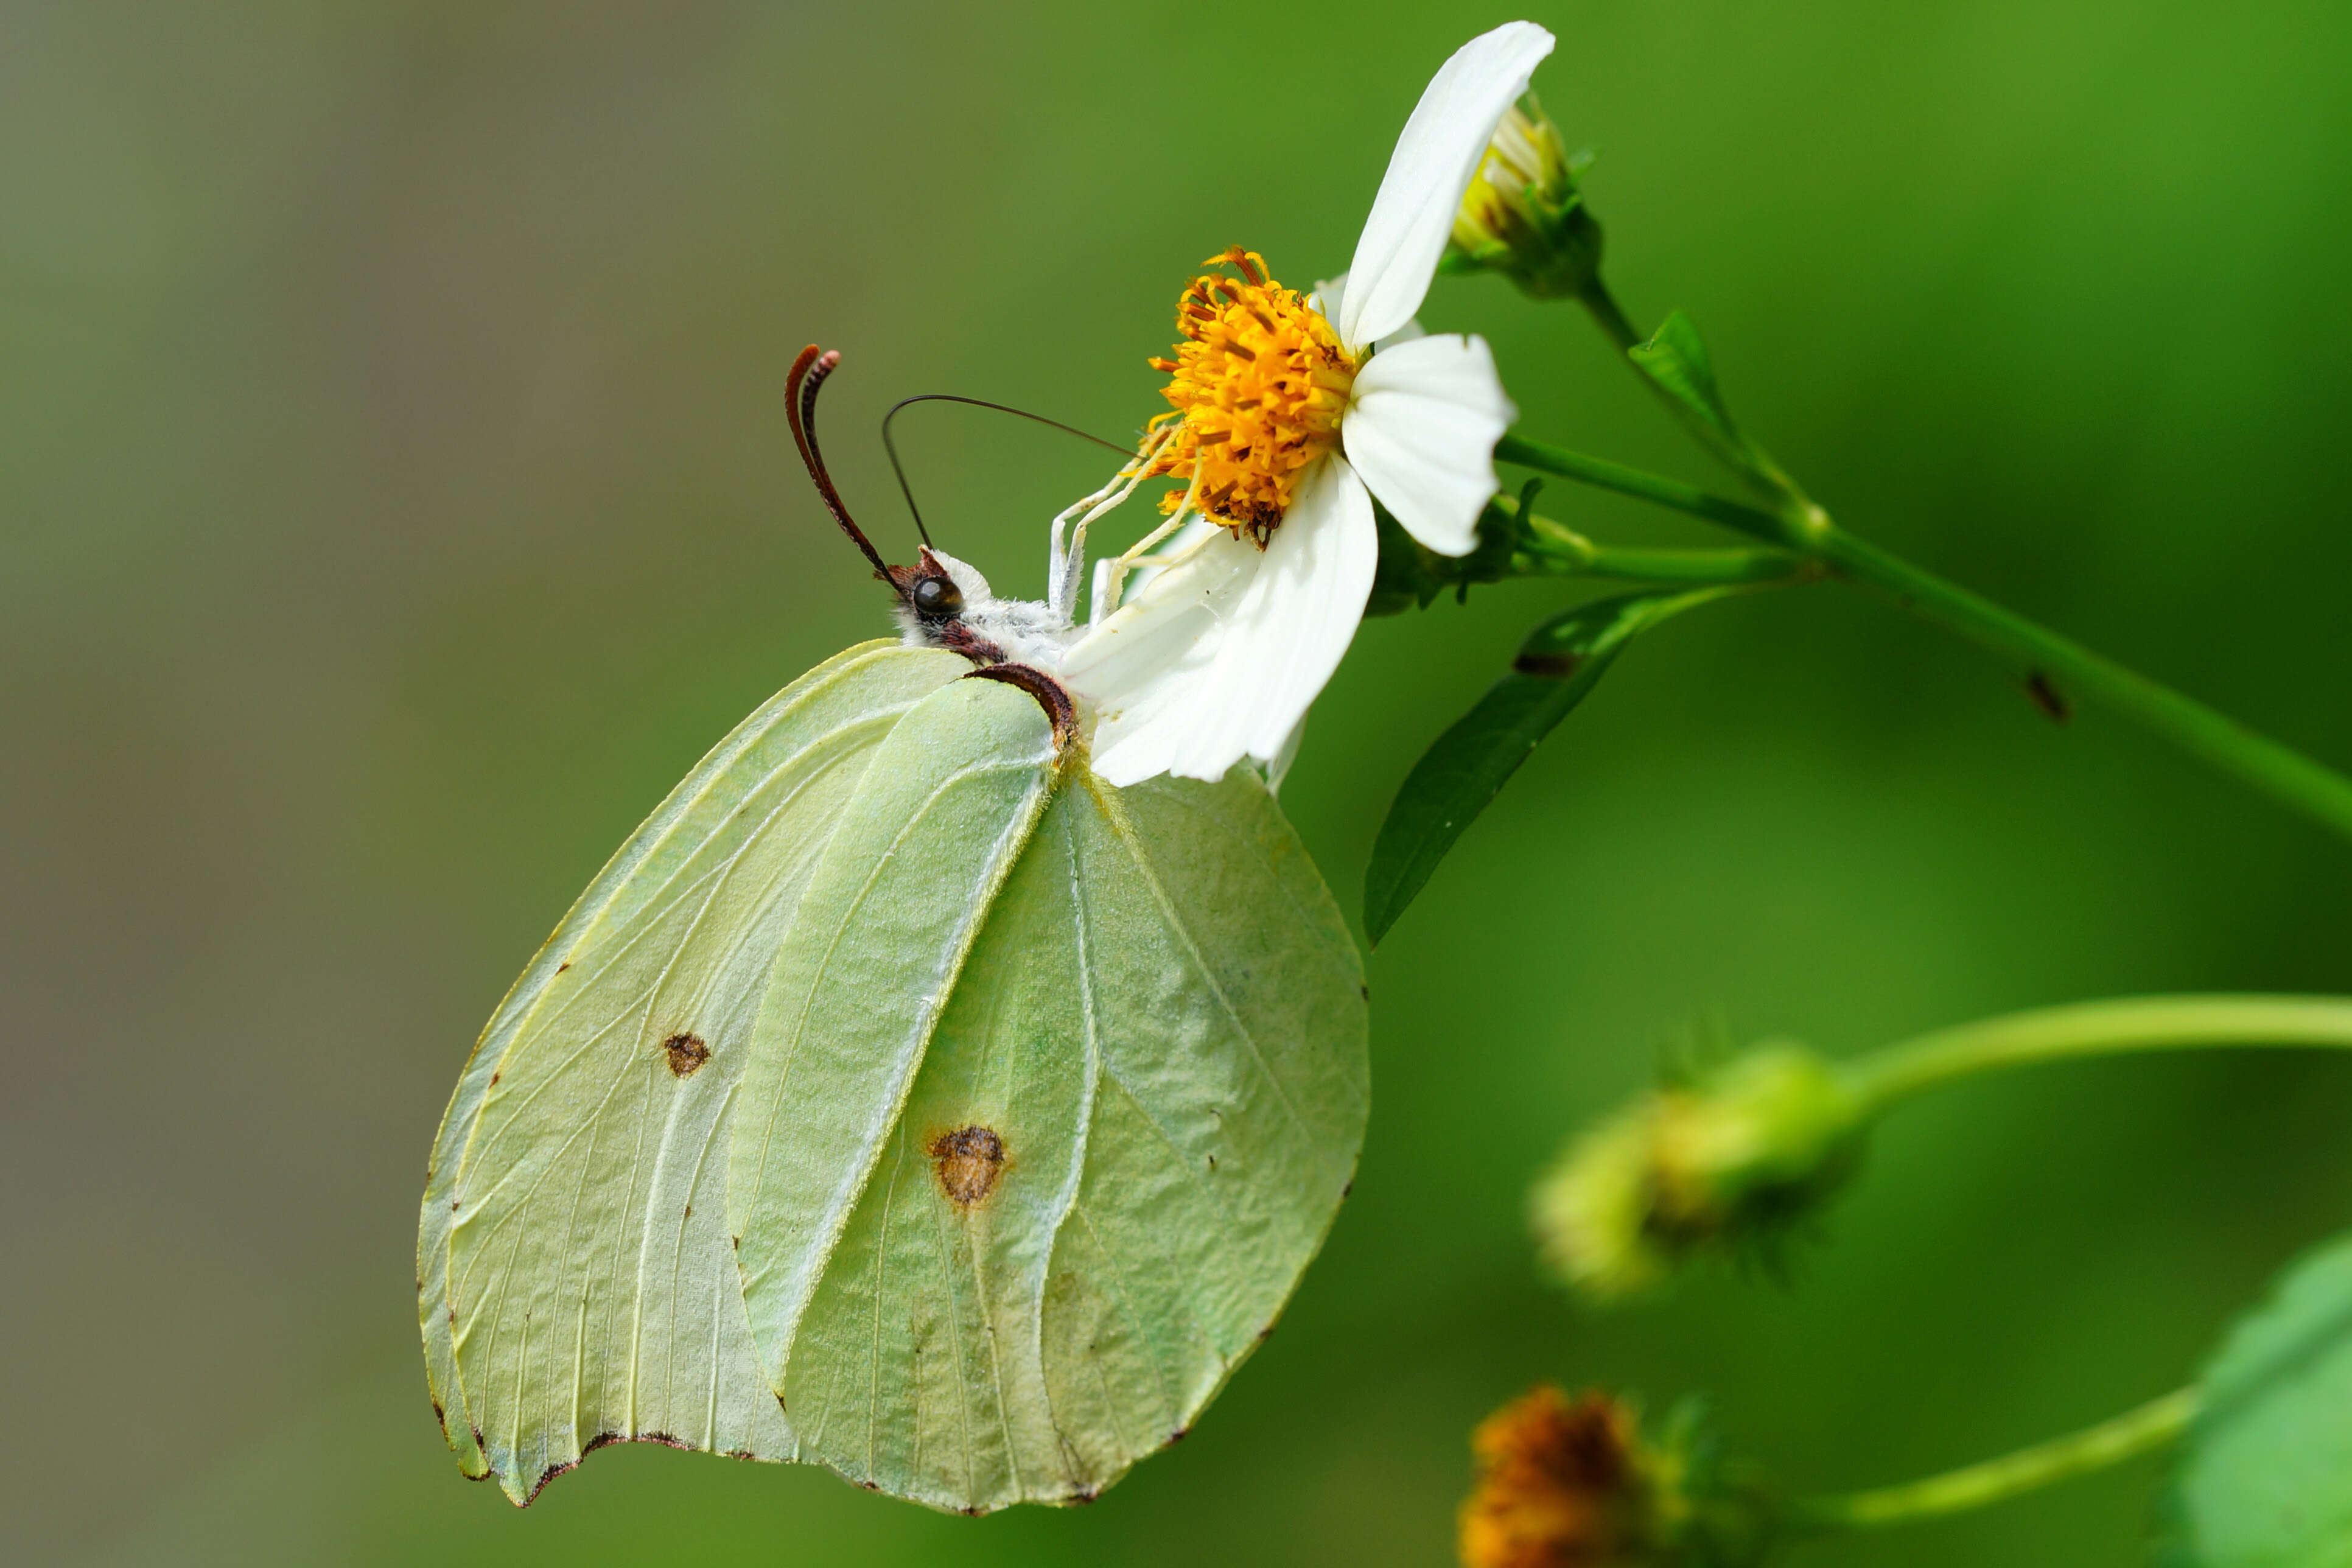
(394,500)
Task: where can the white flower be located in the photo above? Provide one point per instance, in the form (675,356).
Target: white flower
(1290,415)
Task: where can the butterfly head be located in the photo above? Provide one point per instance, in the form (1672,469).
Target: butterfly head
(943,603)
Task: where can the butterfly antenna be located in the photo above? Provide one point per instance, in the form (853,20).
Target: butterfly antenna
(801,387)
(898,469)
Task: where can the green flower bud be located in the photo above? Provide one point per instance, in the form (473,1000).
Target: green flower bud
(1576,1483)
(1729,1164)
(1523,215)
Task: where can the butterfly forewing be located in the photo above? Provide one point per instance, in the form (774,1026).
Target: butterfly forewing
(576,1281)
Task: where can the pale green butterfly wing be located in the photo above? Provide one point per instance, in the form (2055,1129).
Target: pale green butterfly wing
(576,1286)
(1054,1094)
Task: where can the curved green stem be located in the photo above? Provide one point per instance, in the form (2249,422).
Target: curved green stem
(2039,656)
(2096,1029)
(2133,1433)
(1733,451)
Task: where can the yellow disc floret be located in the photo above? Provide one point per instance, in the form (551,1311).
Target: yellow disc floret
(1259,384)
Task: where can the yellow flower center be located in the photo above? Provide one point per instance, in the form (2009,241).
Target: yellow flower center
(1259,384)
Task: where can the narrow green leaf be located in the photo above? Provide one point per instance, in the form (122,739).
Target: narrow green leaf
(1675,360)
(2265,1479)
(1560,661)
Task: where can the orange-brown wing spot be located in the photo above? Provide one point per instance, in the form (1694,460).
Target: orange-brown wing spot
(969,1161)
(685,1052)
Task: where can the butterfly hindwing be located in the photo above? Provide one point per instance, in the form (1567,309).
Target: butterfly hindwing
(576,1278)
(1017,1193)
(1229,1110)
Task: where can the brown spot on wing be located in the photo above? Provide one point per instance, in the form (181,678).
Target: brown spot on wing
(969,1161)
(685,1052)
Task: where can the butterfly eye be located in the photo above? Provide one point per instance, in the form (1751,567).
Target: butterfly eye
(937,596)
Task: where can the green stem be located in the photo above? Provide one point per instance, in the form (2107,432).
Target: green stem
(2048,662)
(1605,475)
(1552,549)
(1606,313)
(2281,771)
(2096,1029)
(2133,1433)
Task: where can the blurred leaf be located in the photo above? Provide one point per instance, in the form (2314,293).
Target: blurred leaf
(2265,1477)
(1560,661)
(1410,576)
(1675,359)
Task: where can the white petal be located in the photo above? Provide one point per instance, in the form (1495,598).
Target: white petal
(1328,296)
(1141,665)
(1413,215)
(1325,301)
(1219,658)
(1421,431)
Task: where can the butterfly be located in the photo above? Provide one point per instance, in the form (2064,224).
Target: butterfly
(902,1097)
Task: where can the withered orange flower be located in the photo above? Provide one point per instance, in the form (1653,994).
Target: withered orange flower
(1560,1486)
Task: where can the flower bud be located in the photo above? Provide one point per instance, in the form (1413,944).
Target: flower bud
(1729,1164)
(1576,1484)
(1523,215)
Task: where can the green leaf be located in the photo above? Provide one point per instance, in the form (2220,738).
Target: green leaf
(1469,765)
(1675,360)
(2265,1479)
